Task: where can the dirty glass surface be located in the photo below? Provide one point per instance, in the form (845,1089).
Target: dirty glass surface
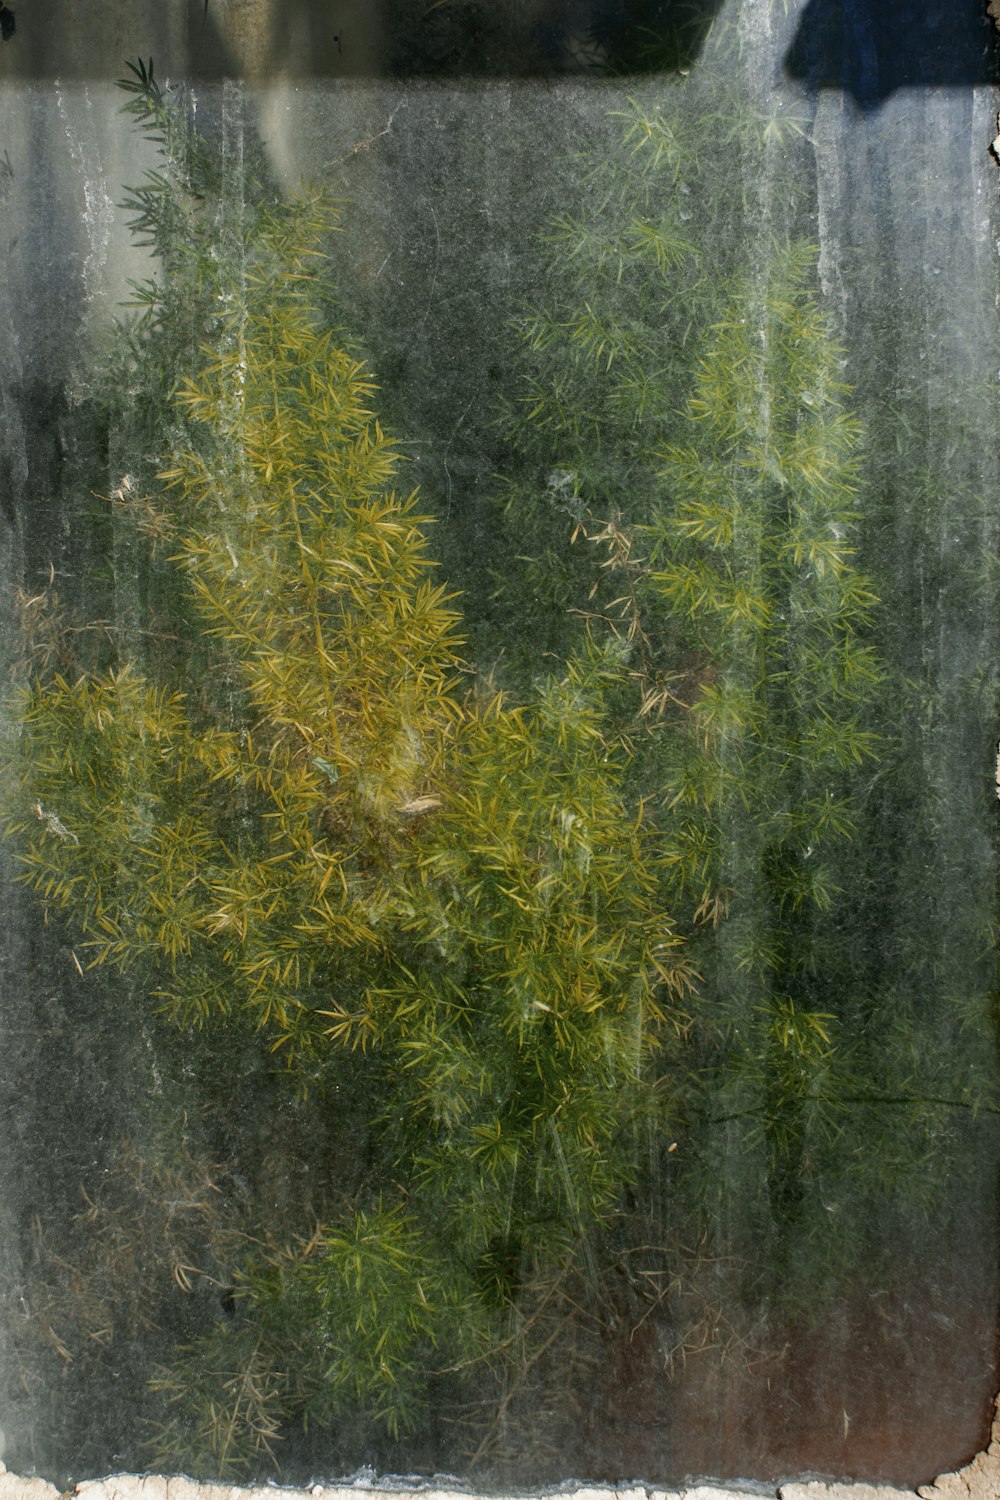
(500,632)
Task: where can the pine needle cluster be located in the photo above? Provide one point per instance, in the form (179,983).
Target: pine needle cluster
(574,959)
(688,487)
(301,818)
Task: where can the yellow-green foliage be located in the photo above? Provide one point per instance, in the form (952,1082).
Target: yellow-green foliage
(246,847)
(302,817)
(683,410)
(752,563)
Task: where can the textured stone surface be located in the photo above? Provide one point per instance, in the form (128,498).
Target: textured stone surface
(155,1487)
(979,1480)
(13,1488)
(818,1491)
(716,1492)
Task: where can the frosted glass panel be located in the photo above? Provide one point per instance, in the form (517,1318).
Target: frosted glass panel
(499,540)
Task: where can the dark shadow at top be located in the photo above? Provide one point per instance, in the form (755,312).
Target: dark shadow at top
(871,48)
(357,38)
(539,38)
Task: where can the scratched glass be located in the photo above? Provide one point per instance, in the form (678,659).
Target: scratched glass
(500,612)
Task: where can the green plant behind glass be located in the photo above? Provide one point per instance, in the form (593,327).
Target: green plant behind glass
(661,215)
(685,424)
(299,820)
(687,482)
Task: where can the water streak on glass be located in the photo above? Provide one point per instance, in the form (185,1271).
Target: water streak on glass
(499,544)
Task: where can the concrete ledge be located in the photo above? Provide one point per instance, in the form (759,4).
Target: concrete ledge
(979,1480)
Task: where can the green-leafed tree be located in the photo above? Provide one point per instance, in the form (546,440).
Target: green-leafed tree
(545,983)
(688,477)
(765,745)
(684,422)
(662,216)
(296,819)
